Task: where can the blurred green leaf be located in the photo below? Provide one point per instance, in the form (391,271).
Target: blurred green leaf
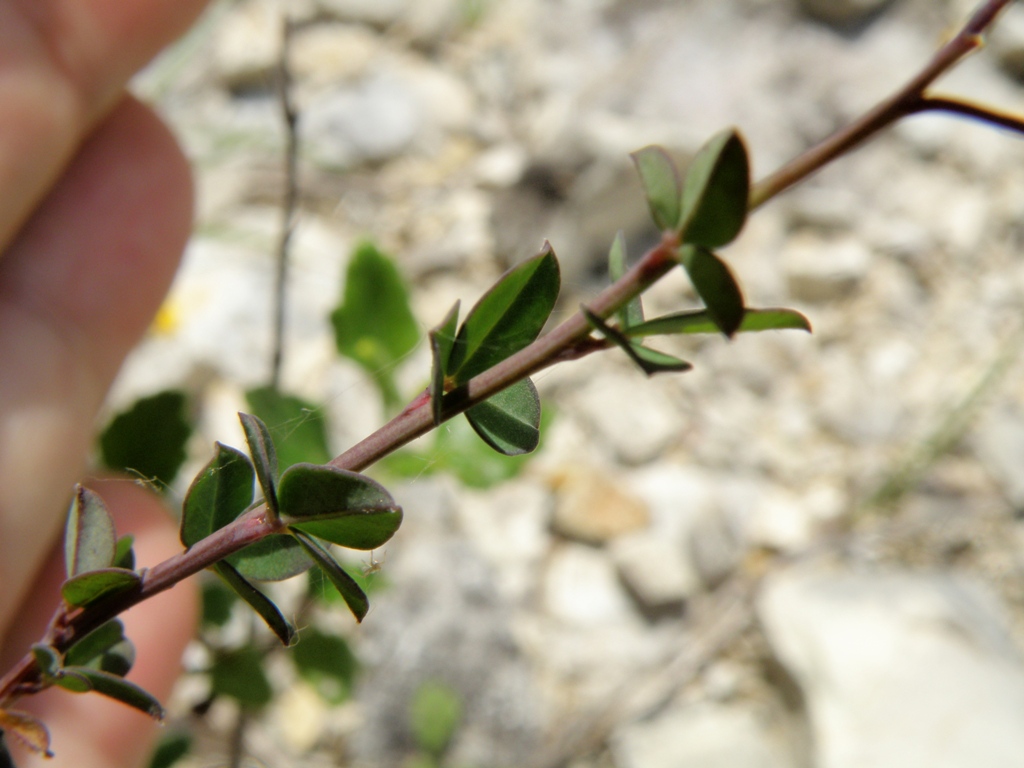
(661,184)
(86,588)
(47,659)
(649,360)
(113,687)
(353,595)
(260,603)
(442,339)
(218,494)
(716,287)
(342,507)
(239,675)
(89,538)
(699,321)
(327,663)
(436,711)
(509,421)
(149,438)
(264,456)
(715,192)
(217,602)
(124,555)
(633,312)
(171,747)
(374,324)
(507,318)
(298,427)
(105,648)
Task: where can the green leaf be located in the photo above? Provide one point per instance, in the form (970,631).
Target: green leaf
(298,426)
(105,648)
(124,555)
(89,538)
(170,749)
(149,438)
(258,601)
(218,495)
(47,659)
(217,603)
(436,711)
(239,674)
(112,686)
(274,558)
(507,318)
(716,287)
(650,361)
(633,312)
(700,321)
(87,588)
(353,595)
(264,457)
(342,507)
(374,325)
(326,662)
(715,192)
(442,339)
(29,730)
(509,421)
(661,184)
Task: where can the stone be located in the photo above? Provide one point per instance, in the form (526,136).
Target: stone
(821,269)
(581,588)
(898,669)
(998,441)
(1007,41)
(656,570)
(592,508)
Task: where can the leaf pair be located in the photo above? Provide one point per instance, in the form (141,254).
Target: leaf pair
(98,565)
(316,502)
(505,320)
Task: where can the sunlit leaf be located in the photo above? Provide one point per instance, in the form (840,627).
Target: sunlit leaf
(89,538)
(259,602)
(353,595)
(650,361)
(716,287)
(507,318)
(509,421)
(298,426)
(374,324)
(92,586)
(715,192)
(442,339)
(342,507)
(113,687)
(239,674)
(661,184)
(219,494)
(28,729)
(149,438)
(124,555)
(699,321)
(327,662)
(105,648)
(264,456)
(633,312)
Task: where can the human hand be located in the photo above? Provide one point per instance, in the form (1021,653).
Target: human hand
(95,210)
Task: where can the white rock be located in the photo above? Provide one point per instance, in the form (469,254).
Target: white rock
(592,507)
(581,588)
(823,269)
(378,12)
(998,441)
(657,570)
(704,736)
(248,42)
(899,670)
(1007,40)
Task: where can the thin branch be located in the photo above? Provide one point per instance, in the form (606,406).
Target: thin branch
(980,112)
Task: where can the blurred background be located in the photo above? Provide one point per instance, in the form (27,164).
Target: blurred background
(808,552)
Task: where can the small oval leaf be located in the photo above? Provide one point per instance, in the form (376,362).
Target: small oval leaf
(259,602)
(716,287)
(509,421)
(47,659)
(507,318)
(264,457)
(89,538)
(699,321)
(660,180)
(87,588)
(105,648)
(274,558)
(219,494)
(351,592)
(442,339)
(114,687)
(715,192)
